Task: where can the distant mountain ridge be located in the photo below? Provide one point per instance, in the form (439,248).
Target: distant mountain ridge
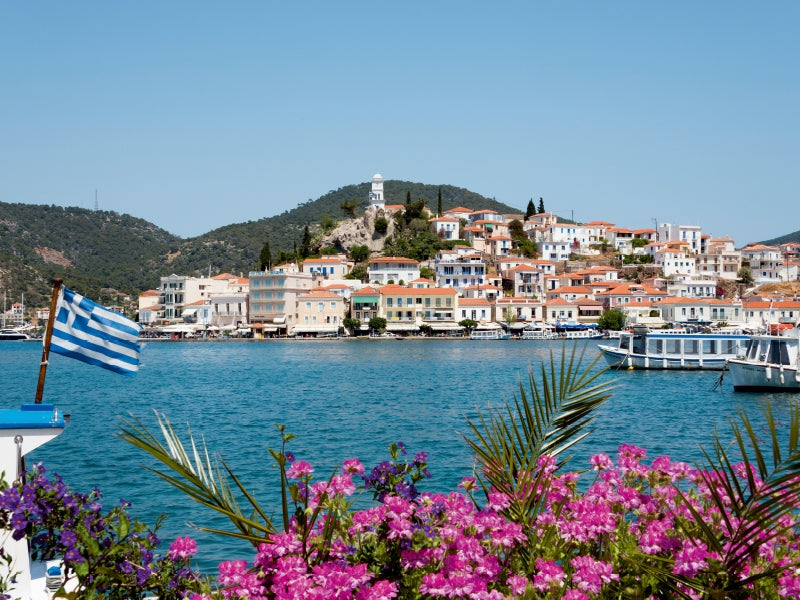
(99,252)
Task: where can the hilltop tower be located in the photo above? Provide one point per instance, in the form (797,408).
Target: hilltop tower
(376,193)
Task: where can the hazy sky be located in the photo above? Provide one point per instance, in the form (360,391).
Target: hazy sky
(195,115)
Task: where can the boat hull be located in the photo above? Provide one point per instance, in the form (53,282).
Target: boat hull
(748,377)
(624,360)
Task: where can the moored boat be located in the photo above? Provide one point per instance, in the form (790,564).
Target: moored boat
(21,431)
(13,334)
(538,331)
(673,349)
(489,334)
(769,363)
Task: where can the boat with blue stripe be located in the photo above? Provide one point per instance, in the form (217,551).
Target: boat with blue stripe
(642,348)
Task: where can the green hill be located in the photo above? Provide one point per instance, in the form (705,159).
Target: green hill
(99,252)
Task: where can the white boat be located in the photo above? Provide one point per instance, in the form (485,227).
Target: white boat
(21,431)
(582,334)
(538,331)
(769,363)
(489,334)
(673,349)
(13,334)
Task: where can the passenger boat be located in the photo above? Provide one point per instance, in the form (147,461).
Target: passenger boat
(582,334)
(22,431)
(642,348)
(13,334)
(489,334)
(538,331)
(769,363)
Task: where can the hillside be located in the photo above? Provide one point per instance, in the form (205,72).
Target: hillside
(96,252)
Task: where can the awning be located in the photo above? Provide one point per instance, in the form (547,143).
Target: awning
(315,329)
(189,311)
(445,326)
(281,319)
(401,326)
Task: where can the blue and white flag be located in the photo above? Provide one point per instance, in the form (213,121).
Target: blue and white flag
(89,332)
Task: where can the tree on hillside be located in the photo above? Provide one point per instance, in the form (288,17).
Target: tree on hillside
(381,224)
(531,210)
(541,206)
(305,245)
(439,206)
(349,207)
(745,275)
(516,230)
(265,259)
(359,253)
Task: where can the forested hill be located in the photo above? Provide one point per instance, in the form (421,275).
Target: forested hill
(99,252)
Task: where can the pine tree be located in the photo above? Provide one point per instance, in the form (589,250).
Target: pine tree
(541,206)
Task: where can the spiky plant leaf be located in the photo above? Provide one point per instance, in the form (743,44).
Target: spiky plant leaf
(208,482)
(752,510)
(549,418)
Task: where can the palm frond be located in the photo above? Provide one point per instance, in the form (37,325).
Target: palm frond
(206,481)
(751,509)
(553,414)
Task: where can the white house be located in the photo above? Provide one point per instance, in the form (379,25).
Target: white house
(767,264)
(392,270)
(459,271)
(691,234)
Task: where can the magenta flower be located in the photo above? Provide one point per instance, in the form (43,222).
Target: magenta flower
(518,584)
(342,484)
(299,469)
(691,559)
(549,575)
(353,467)
(182,547)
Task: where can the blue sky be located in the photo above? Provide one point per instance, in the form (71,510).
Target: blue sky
(195,115)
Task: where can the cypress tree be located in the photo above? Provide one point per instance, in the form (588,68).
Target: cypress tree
(541,206)
(531,210)
(265,258)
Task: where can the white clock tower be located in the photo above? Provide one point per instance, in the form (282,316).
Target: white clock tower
(376,194)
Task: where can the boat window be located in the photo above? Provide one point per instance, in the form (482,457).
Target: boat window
(709,346)
(624,342)
(690,346)
(752,349)
(673,346)
(656,347)
(778,353)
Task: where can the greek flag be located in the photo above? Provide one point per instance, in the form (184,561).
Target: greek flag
(89,332)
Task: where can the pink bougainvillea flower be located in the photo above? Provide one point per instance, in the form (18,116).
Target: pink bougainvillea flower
(299,469)
(182,547)
(353,466)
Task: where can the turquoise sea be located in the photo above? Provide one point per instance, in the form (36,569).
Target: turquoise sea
(342,399)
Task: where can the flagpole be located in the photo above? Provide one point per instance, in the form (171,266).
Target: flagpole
(48,334)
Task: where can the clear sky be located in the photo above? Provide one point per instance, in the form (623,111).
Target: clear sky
(195,115)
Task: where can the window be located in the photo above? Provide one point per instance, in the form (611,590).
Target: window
(308,305)
(320,306)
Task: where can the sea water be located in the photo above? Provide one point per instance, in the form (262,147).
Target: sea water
(341,399)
